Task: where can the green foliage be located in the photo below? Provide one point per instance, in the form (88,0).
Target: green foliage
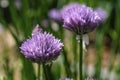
(32,12)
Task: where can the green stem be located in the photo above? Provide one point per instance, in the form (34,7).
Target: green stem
(38,71)
(75,57)
(80,57)
(66,63)
(45,72)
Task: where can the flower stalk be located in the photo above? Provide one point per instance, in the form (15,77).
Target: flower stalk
(80,57)
(38,71)
(80,41)
(66,63)
(45,72)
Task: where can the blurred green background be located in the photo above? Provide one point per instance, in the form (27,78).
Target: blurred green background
(19,17)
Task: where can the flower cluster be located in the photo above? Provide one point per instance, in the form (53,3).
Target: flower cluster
(80,18)
(42,47)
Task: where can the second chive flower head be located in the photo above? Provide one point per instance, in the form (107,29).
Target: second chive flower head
(80,19)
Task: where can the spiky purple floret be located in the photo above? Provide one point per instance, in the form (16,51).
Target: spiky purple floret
(42,47)
(80,18)
(55,15)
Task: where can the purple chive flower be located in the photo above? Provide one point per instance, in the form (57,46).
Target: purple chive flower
(102,13)
(42,47)
(80,18)
(69,6)
(55,15)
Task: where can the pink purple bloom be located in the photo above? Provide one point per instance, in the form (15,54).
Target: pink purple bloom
(80,18)
(102,13)
(42,47)
(55,15)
